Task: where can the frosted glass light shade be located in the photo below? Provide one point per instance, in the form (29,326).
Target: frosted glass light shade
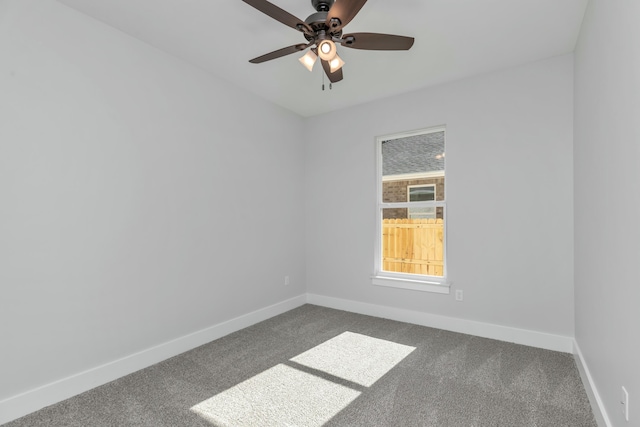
(327,50)
(308,60)
(336,63)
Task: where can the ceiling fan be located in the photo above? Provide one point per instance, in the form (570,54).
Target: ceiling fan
(323,30)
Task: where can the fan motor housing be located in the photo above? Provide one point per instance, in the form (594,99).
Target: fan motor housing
(318,23)
(317,20)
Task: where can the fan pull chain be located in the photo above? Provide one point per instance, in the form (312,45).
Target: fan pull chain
(330,83)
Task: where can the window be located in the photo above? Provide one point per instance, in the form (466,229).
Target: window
(421,193)
(411,208)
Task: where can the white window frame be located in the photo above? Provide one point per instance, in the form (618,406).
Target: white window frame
(416,282)
(409,187)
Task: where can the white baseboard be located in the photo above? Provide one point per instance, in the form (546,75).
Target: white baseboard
(471,327)
(48,394)
(599,411)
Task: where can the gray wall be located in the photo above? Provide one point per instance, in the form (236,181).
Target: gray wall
(607,201)
(509,197)
(137,205)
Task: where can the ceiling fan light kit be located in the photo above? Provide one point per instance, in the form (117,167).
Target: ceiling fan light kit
(323,30)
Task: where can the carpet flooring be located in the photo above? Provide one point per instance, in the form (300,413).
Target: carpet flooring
(315,366)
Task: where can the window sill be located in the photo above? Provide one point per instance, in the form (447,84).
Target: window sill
(412,284)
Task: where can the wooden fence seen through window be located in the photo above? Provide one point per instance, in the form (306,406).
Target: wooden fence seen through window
(413,246)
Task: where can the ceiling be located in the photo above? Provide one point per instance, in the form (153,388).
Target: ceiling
(453,39)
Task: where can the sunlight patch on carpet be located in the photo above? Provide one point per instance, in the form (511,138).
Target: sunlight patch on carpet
(279,396)
(355,357)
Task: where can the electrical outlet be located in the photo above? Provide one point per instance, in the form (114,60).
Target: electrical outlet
(286,280)
(459,295)
(625,403)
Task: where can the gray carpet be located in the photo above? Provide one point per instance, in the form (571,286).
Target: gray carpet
(315,366)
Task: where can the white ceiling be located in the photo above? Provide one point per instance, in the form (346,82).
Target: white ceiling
(454,39)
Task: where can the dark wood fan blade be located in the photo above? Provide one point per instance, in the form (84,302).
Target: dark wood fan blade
(344,11)
(279,15)
(375,41)
(333,77)
(278,53)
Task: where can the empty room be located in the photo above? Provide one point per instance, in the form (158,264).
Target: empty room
(319,213)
